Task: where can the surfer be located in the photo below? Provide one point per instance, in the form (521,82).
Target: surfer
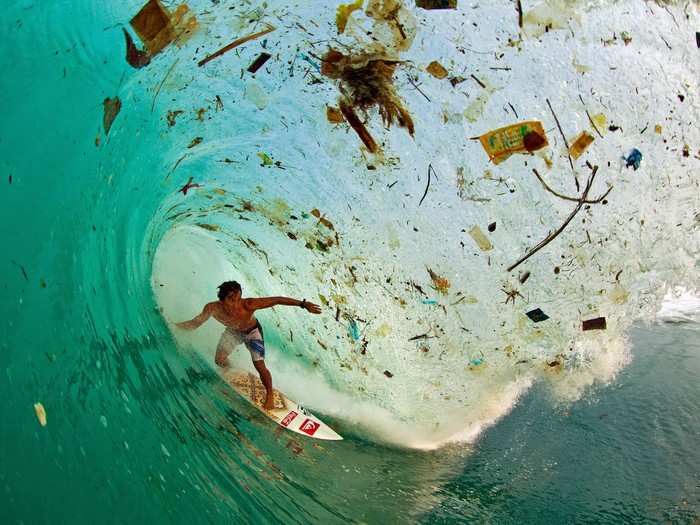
(236,314)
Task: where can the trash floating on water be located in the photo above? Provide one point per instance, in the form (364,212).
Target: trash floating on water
(234,44)
(265,159)
(343,12)
(157,28)
(188,186)
(523,137)
(436,69)
(440,284)
(580,144)
(40,413)
(436,4)
(152,25)
(366,82)
(388,374)
(172,116)
(598,323)
(259,62)
(481,240)
(135,57)
(353,330)
(537,315)
(112,106)
(195,141)
(334,115)
(634,159)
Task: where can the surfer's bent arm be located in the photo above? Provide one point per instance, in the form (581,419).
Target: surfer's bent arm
(199,320)
(267,302)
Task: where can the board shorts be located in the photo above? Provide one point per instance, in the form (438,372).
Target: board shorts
(231,338)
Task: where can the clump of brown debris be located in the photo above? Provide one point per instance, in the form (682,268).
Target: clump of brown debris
(366,82)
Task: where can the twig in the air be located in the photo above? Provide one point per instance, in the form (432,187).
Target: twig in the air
(566,143)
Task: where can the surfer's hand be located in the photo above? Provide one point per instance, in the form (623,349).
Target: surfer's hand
(312,308)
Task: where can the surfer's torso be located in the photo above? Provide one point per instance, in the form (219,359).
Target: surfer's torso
(237,317)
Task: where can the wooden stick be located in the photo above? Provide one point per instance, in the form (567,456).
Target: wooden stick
(589,117)
(153,104)
(235,44)
(553,235)
(478,81)
(566,198)
(354,121)
(430,168)
(566,143)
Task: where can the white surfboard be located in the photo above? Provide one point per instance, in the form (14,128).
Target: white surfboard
(287,413)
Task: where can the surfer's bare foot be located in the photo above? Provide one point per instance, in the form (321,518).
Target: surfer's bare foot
(269,404)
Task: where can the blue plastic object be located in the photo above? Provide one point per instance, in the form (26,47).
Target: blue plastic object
(634,159)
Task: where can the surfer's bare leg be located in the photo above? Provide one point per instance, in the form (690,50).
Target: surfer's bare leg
(266,379)
(221,359)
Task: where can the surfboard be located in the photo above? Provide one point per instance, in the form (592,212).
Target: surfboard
(287,413)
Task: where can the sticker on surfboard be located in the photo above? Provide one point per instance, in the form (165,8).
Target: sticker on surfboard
(287,413)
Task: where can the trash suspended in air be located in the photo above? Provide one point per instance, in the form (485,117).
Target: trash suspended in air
(524,137)
(634,159)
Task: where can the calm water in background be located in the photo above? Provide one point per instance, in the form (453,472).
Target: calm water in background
(139,430)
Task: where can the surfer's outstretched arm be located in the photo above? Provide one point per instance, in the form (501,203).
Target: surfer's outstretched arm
(199,320)
(267,302)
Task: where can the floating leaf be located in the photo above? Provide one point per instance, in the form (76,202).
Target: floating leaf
(40,413)
(112,106)
(195,141)
(266,159)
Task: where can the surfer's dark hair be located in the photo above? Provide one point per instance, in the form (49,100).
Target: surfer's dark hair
(227,288)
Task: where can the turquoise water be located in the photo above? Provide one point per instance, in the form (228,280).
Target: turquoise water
(101,252)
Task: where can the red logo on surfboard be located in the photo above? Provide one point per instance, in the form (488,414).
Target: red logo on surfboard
(288,418)
(309,427)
